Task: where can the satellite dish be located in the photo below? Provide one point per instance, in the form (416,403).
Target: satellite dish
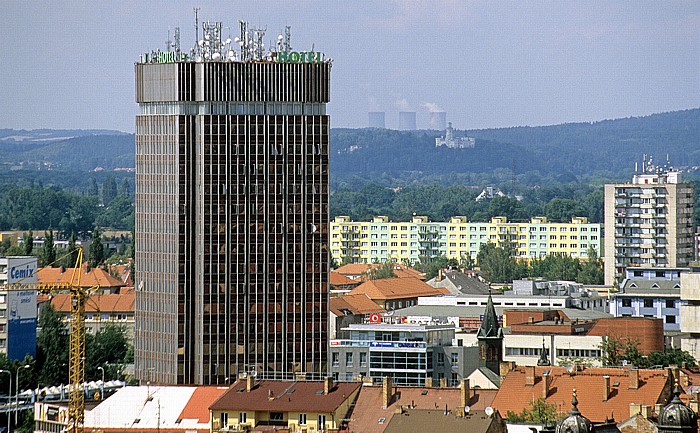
(489,411)
(201,42)
(280,37)
(467,409)
(236,39)
(569,368)
(228,41)
(254,373)
(215,56)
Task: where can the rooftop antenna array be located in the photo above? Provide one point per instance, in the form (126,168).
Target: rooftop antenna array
(211,45)
(173,44)
(259,44)
(195,52)
(244,41)
(287,38)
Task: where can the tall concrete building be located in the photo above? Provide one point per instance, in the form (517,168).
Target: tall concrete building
(231,210)
(649,222)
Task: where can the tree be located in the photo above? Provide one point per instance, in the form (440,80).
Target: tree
(109,190)
(109,349)
(52,348)
(592,269)
(125,188)
(563,209)
(497,265)
(48,251)
(430,266)
(97,250)
(72,257)
(93,191)
(28,243)
(385,270)
(539,412)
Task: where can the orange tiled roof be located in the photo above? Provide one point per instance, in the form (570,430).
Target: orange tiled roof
(107,303)
(96,277)
(369,406)
(198,405)
(357,304)
(397,288)
(338,279)
(514,395)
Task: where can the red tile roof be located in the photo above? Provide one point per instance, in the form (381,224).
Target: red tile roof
(284,396)
(356,304)
(95,277)
(397,288)
(515,395)
(369,406)
(198,405)
(338,279)
(98,303)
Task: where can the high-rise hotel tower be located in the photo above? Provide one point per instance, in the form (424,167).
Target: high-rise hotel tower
(231,210)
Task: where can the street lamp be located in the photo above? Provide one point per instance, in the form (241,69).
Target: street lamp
(102,393)
(9,393)
(24,367)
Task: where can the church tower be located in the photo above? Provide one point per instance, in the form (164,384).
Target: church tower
(490,338)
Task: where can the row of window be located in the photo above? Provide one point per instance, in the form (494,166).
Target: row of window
(648,303)
(274,416)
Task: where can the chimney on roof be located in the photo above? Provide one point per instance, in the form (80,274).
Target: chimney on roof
(645,411)
(63,269)
(428,382)
(635,408)
(386,391)
(443,382)
(546,382)
(327,385)
(683,379)
(465,393)
(606,388)
(249,383)
(634,378)
(657,408)
(506,367)
(440,275)
(530,375)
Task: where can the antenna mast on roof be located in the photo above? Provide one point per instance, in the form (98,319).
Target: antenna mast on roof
(176,42)
(288,38)
(195,50)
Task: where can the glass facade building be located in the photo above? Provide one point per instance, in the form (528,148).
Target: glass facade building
(231,219)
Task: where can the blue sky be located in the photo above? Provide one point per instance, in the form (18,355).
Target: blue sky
(69,64)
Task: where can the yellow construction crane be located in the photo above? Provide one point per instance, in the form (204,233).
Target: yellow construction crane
(76,362)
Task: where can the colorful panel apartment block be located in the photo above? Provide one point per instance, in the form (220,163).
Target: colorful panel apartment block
(380,240)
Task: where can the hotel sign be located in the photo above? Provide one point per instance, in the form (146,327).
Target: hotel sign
(299,57)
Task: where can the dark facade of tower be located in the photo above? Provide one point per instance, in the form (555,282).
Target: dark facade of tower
(231,219)
(490,337)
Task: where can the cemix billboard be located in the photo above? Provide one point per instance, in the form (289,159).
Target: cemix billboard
(21,269)
(21,308)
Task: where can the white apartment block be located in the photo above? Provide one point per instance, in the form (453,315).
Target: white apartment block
(648,222)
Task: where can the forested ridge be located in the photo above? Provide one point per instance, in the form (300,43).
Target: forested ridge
(65,180)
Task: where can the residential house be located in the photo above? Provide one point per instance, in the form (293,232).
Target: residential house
(377,405)
(602,392)
(296,406)
(101,310)
(394,293)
